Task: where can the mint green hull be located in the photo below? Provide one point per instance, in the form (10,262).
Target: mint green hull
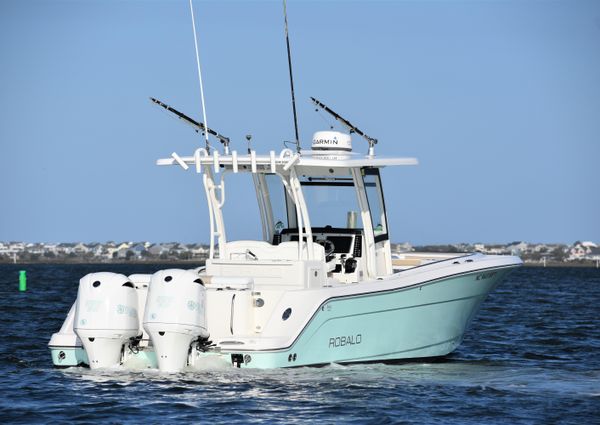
(76,356)
(68,356)
(143,359)
(424,321)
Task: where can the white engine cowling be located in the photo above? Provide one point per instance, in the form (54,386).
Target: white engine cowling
(106,316)
(174,316)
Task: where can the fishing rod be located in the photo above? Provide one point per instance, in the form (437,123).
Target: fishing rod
(351,127)
(198,126)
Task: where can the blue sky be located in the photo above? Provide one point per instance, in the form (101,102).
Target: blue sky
(499,100)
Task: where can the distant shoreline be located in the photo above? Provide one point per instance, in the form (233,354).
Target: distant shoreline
(99,262)
(580,254)
(201,262)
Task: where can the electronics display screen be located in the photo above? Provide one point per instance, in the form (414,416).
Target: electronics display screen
(343,244)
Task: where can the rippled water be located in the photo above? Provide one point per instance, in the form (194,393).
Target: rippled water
(531,356)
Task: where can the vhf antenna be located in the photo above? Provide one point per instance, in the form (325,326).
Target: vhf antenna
(198,126)
(351,128)
(289,56)
(200,76)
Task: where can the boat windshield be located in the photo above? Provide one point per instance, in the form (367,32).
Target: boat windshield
(332,202)
(374,193)
(277,205)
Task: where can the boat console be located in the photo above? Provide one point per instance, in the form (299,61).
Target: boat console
(343,250)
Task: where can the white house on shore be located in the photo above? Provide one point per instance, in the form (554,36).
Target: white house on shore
(584,251)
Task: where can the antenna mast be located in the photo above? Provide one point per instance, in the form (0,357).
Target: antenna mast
(289,56)
(351,127)
(200,80)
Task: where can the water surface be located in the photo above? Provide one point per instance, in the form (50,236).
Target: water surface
(532,355)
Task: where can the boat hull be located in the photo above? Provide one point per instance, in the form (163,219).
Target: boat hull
(425,320)
(422,314)
(68,356)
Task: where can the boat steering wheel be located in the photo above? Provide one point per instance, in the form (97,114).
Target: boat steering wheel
(328,246)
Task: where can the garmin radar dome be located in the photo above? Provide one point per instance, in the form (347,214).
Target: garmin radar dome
(331,141)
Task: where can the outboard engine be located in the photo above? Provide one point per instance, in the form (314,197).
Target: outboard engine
(106,316)
(175,316)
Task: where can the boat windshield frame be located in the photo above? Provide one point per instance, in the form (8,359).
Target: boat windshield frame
(378,199)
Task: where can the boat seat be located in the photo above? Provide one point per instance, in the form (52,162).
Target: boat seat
(261,250)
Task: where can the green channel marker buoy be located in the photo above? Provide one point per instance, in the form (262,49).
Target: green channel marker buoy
(22,280)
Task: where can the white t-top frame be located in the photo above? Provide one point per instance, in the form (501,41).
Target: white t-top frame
(288,166)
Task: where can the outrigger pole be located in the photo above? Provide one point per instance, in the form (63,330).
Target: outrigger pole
(289,56)
(198,126)
(351,128)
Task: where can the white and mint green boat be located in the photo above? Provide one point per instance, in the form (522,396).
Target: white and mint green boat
(320,287)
